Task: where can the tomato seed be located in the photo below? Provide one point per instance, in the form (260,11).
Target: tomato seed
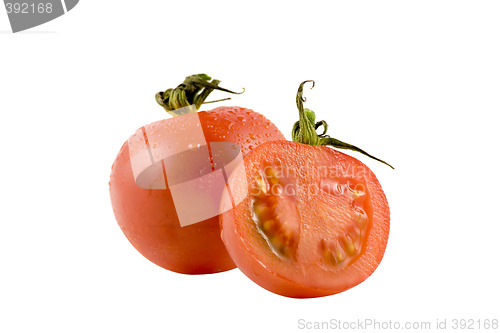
(280,231)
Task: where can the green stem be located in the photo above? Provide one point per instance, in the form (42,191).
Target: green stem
(304,130)
(193,91)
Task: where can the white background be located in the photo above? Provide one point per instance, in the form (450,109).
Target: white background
(413,82)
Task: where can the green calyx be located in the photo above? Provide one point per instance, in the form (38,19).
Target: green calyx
(304,130)
(193,91)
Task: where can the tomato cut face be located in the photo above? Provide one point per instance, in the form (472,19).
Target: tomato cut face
(311,221)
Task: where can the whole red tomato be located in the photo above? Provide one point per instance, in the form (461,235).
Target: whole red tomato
(159,175)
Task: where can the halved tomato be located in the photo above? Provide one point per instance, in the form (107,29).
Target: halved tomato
(311,221)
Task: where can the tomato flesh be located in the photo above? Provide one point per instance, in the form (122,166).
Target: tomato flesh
(311,221)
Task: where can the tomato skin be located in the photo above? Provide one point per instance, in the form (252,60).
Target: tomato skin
(283,277)
(148,217)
